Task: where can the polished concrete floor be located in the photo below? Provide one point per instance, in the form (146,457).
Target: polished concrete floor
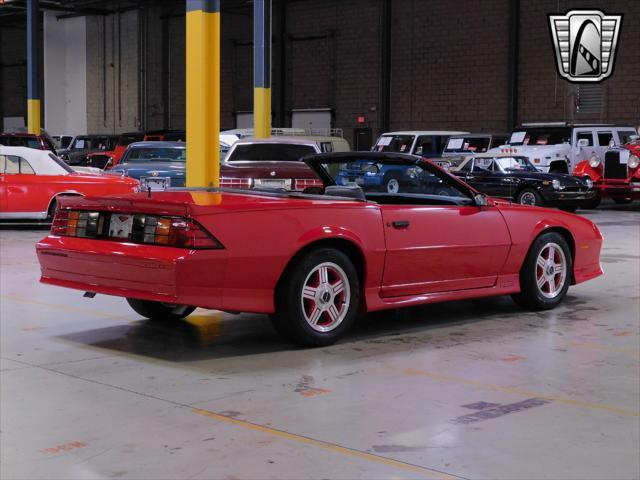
(477,389)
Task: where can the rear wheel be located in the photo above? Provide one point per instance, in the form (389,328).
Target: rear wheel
(160,311)
(529,196)
(317,300)
(546,273)
(392,184)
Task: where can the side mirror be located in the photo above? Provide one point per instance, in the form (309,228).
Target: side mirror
(612,143)
(583,142)
(481,200)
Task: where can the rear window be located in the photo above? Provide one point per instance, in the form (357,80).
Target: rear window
(16,141)
(270,151)
(155,154)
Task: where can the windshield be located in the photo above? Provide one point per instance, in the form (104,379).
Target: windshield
(383,177)
(93,143)
(540,136)
(156,154)
(62,164)
(467,145)
(394,143)
(515,164)
(270,152)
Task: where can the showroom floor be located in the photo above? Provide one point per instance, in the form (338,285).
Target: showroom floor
(476,389)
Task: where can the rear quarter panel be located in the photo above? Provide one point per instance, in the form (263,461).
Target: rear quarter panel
(260,244)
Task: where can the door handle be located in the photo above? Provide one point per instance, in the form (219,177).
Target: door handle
(399,224)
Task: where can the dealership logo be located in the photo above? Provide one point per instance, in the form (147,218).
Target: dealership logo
(585,44)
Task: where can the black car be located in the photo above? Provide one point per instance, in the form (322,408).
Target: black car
(82,145)
(514,178)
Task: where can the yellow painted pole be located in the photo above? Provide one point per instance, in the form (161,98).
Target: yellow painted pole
(262,68)
(203,93)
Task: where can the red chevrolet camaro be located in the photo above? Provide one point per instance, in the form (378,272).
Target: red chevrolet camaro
(314,259)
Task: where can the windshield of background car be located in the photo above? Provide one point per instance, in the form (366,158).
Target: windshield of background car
(155,154)
(541,136)
(93,143)
(467,145)
(384,177)
(625,136)
(61,164)
(270,152)
(125,140)
(514,164)
(394,143)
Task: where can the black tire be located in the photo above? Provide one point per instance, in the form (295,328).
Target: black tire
(592,203)
(622,201)
(292,311)
(568,208)
(160,311)
(530,196)
(392,183)
(533,297)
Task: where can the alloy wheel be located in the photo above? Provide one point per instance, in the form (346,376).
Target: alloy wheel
(325,297)
(551,270)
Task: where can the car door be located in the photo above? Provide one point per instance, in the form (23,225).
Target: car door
(24,192)
(585,152)
(438,248)
(481,177)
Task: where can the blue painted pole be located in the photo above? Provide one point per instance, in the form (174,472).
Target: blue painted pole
(262,68)
(33,57)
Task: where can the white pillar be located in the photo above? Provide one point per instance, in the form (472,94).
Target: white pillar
(65,75)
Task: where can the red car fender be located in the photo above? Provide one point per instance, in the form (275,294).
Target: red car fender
(583,169)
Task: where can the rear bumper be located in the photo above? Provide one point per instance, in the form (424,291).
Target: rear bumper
(164,274)
(559,197)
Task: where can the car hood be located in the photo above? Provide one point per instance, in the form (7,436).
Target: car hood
(564,179)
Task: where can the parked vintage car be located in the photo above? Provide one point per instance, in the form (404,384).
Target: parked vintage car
(559,147)
(160,165)
(83,145)
(29,140)
(618,177)
(110,158)
(32,181)
(514,178)
(422,143)
(314,260)
(473,143)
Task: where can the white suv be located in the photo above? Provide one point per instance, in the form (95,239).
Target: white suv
(559,147)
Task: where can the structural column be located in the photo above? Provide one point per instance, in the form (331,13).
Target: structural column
(203,93)
(33,59)
(262,68)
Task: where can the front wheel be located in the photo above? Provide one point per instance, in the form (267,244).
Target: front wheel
(160,311)
(317,300)
(546,273)
(529,196)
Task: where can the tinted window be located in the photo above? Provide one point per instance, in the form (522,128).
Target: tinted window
(625,136)
(585,136)
(424,145)
(155,154)
(540,136)
(604,138)
(467,145)
(127,139)
(270,151)
(394,143)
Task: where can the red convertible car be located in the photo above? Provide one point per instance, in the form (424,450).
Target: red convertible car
(313,260)
(32,181)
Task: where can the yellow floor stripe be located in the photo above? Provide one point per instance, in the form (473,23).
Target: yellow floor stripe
(634,352)
(518,391)
(64,308)
(408,467)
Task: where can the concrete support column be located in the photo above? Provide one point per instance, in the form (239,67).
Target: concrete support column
(203,93)
(65,75)
(33,73)
(262,68)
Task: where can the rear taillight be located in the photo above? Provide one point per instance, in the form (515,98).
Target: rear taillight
(135,228)
(236,182)
(302,183)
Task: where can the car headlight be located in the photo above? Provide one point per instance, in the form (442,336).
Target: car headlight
(594,161)
(633,162)
(588,182)
(556,184)
(413,172)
